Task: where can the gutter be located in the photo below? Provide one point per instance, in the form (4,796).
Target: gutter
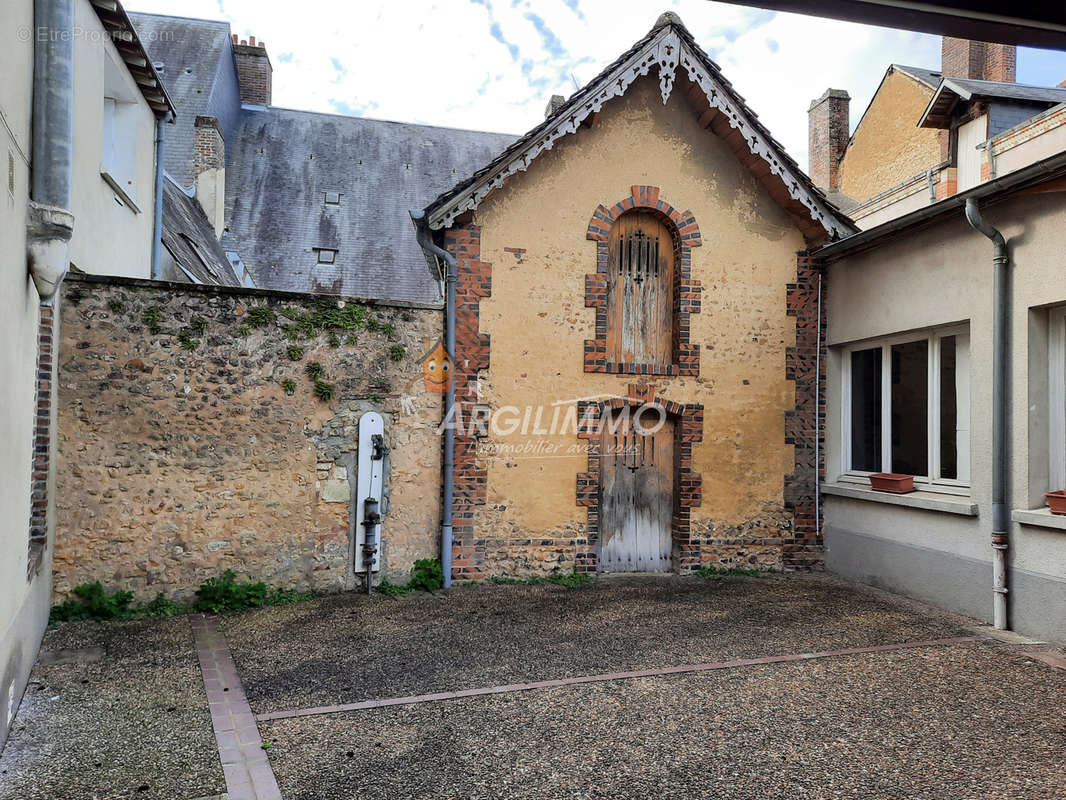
(157,218)
(1035,173)
(1000,399)
(425,241)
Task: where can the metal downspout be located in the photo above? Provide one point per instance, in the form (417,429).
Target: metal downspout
(425,240)
(1000,356)
(157,220)
(50,222)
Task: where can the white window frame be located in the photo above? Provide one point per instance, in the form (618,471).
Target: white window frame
(1056,384)
(933,481)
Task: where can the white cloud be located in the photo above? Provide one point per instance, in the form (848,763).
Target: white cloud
(492,64)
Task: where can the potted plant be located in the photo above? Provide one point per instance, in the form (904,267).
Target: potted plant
(892,482)
(1056,501)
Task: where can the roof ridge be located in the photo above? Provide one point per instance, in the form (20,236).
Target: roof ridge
(225,22)
(376,119)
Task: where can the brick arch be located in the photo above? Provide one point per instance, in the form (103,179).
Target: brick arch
(688,421)
(686,235)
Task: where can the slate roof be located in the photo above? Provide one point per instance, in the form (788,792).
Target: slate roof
(190,238)
(200,76)
(498,167)
(929,77)
(953,90)
(282,162)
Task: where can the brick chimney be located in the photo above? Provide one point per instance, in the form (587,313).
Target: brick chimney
(983,61)
(209,169)
(253,71)
(827,137)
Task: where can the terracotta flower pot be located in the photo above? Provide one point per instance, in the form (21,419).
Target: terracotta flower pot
(1056,501)
(892,482)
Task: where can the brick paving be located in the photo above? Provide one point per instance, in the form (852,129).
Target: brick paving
(244,761)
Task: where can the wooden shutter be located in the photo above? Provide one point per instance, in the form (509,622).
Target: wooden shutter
(640,297)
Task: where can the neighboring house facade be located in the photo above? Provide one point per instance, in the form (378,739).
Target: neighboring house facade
(927,134)
(912,341)
(80,193)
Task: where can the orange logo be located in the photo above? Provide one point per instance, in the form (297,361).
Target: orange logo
(437,370)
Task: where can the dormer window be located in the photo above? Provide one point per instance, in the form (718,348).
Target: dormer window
(118,156)
(326,255)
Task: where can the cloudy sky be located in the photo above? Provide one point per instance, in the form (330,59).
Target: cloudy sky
(493,64)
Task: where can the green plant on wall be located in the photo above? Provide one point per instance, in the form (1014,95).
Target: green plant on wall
(244,330)
(289,385)
(187,342)
(198,324)
(115,305)
(260,316)
(352,340)
(334,340)
(294,353)
(323,390)
(372,325)
(396,352)
(389,329)
(314,370)
(152,317)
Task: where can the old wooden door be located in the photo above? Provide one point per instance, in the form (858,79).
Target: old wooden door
(640,297)
(637,493)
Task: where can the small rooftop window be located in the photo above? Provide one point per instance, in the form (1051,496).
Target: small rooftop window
(326,255)
(333,198)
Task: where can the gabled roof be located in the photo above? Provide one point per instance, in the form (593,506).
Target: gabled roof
(282,163)
(125,39)
(952,91)
(930,77)
(189,237)
(199,72)
(667,47)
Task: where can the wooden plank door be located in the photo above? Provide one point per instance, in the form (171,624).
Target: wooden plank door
(637,495)
(640,297)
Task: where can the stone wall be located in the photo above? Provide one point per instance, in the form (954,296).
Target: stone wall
(191,440)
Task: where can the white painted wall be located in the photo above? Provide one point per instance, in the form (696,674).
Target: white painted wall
(939,275)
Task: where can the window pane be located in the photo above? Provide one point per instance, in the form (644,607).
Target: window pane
(949,424)
(866,410)
(910,406)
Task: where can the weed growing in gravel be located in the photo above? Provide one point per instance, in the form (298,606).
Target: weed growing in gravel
(226,593)
(718,572)
(427,574)
(162,606)
(92,602)
(569,580)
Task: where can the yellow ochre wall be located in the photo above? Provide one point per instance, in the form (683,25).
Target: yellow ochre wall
(537,320)
(888,147)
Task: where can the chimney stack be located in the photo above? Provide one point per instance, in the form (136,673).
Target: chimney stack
(209,169)
(983,61)
(556,102)
(253,71)
(827,138)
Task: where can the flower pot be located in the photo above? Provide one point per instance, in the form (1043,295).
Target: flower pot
(1056,501)
(892,482)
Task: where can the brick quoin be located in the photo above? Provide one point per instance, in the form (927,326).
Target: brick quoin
(802,550)
(42,444)
(686,235)
(474,281)
(688,431)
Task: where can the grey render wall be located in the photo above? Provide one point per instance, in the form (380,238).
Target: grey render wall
(941,275)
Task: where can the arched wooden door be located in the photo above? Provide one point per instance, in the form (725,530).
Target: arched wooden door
(640,290)
(637,492)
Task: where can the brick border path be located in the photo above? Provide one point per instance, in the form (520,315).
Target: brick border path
(607,676)
(240,748)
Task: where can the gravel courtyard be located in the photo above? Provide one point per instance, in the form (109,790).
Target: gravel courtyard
(971,717)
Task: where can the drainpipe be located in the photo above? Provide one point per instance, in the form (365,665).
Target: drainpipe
(1000,339)
(50,222)
(157,221)
(425,240)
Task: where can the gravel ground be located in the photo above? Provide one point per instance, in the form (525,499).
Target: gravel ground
(966,722)
(350,647)
(133,725)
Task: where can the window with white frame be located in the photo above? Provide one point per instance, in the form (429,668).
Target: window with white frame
(1057,398)
(906,408)
(118,156)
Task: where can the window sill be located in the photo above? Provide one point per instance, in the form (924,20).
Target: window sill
(927,501)
(116,187)
(1041,517)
